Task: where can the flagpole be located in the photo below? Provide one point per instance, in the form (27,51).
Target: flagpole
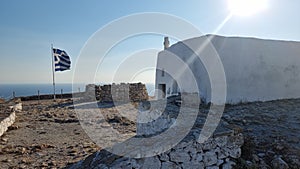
(53,73)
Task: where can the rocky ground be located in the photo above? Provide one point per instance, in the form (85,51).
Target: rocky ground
(49,135)
(44,136)
(271,130)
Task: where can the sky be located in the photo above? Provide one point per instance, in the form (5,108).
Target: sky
(28,28)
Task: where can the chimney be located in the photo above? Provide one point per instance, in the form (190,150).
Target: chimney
(166,43)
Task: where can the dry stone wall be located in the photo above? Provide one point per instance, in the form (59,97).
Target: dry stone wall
(219,151)
(124,92)
(216,152)
(6,120)
(8,114)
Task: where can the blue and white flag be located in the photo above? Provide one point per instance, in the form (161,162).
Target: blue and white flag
(62,60)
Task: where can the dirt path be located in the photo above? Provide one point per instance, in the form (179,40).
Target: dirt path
(44,136)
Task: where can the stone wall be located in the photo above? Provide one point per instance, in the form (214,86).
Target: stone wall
(50,96)
(45,97)
(7,119)
(221,150)
(8,114)
(217,152)
(123,92)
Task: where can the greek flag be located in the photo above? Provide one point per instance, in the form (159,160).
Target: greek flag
(61,60)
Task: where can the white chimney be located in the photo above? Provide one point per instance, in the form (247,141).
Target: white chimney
(166,43)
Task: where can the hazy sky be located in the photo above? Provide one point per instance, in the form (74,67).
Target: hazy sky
(28,28)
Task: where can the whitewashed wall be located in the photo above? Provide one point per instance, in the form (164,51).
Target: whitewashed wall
(256,69)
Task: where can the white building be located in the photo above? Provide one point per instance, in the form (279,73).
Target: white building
(255,69)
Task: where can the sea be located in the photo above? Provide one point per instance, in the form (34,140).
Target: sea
(8,90)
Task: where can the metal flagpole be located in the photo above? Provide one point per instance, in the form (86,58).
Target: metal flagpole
(53,73)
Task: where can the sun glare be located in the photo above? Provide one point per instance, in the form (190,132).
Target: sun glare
(247,7)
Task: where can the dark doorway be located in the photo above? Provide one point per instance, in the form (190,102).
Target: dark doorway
(162,89)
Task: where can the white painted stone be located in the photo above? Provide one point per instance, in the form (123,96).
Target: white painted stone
(228,165)
(134,164)
(148,115)
(221,141)
(151,162)
(164,157)
(182,145)
(224,153)
(191,150)
(5,123)
(149,123)
(17,107)
(101,166)
(261,155)
(212,167)
(217,150)
(179,156)
(237,140)
(255,157)
(249,163)
(188,155)
(235,152)
(121,164)
(220,162)
(199,147)
(192,165)
(168,165)
(209,144)
(210,158)
(279,163)
(199,157)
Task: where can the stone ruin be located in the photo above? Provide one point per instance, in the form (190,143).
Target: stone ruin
(124,92)
(221,150)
